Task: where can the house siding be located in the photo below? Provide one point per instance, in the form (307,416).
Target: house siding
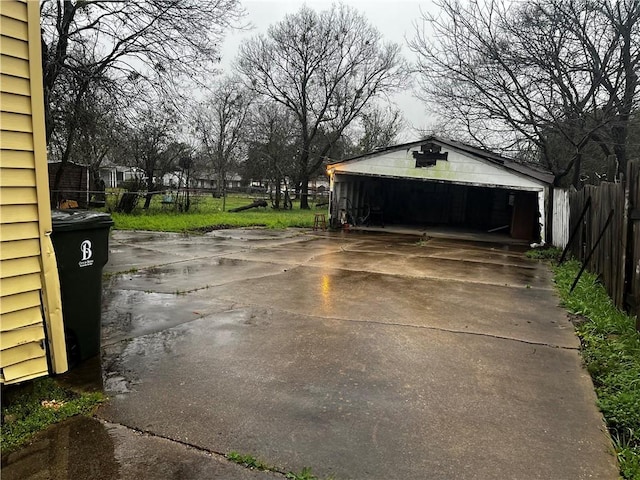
(30,309)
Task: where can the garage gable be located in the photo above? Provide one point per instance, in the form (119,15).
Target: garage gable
(435,182)
(435,161)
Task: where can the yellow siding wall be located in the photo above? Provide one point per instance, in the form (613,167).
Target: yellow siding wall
(29,289)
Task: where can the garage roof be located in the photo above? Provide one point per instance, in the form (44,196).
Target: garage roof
(486,155)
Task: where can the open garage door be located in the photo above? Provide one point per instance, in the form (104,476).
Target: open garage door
(427,204)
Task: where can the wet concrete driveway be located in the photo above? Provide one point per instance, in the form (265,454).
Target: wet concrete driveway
(362,356)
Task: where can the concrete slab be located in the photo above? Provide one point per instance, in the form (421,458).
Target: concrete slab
(126,252)
(361,355)
(445,233)
(483,244)
(526,314)
(84,448)
(258,234)
(441,249)
(366,400)
(293,254)
(189,275)
(459,270)
(131,313)
(497,257)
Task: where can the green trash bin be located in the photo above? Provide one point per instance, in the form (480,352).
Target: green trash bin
(81,242)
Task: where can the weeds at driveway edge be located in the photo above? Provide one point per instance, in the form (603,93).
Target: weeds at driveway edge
(252,463)
(611,353)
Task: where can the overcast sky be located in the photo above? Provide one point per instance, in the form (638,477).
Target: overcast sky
(394,19)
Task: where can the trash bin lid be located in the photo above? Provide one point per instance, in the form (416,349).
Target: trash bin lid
(68,220)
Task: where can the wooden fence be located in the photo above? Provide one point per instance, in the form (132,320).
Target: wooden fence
(605,235)
(560,222)
(633,241)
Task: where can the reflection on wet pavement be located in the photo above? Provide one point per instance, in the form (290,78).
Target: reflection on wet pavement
(132,313)
(189,275)
(83,448)
(300,347)
(79,448)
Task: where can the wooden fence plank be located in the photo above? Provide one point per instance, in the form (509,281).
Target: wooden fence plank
(616,259)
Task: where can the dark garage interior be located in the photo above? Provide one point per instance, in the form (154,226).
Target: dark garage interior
(385,201)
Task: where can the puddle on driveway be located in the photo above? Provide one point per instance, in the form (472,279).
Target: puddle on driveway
(125,363)
(181,277)
(63,452)
(252,234)
(83,448)
(132,313)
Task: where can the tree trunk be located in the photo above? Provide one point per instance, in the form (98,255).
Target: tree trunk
(304,193)
(220,184)
(187,203)
(276,203)
(150,189)
(577,166)
(302,182)
(620,136)
(147,201)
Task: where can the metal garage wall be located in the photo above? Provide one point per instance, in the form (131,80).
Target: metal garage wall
(29,287)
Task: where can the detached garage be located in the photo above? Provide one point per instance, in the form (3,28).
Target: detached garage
(436,182)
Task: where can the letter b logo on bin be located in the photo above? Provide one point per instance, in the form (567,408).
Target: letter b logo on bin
(87,253)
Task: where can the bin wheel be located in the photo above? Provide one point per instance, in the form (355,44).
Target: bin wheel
(73,349)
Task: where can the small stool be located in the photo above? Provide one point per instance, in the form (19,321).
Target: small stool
(320,221)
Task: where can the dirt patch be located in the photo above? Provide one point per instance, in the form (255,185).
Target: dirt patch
(577,320)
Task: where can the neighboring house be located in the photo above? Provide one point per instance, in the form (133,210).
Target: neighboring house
(201,181)
(75,183)
(442,182)
(319,185)
(174,180)
(31,327)
(114,176)
(234,181)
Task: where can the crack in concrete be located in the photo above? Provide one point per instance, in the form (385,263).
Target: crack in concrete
(192,446)
(377,272)
(409,325)
(197,289)
(157,265)
(343,247)
(438,256)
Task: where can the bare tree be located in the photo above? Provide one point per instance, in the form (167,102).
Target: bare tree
(137,45)
(272,146)
(520,76)
(97,118)
(380,128)
(325,68)
(151,144)
(621,84)
(219,125)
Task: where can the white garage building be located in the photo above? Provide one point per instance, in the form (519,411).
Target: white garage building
(435,182)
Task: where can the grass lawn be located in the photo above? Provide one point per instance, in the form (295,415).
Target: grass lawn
(611,353)
(33,406)
(206,212)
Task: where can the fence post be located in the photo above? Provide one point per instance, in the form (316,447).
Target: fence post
(593,249)
(632,241)
(567,247)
